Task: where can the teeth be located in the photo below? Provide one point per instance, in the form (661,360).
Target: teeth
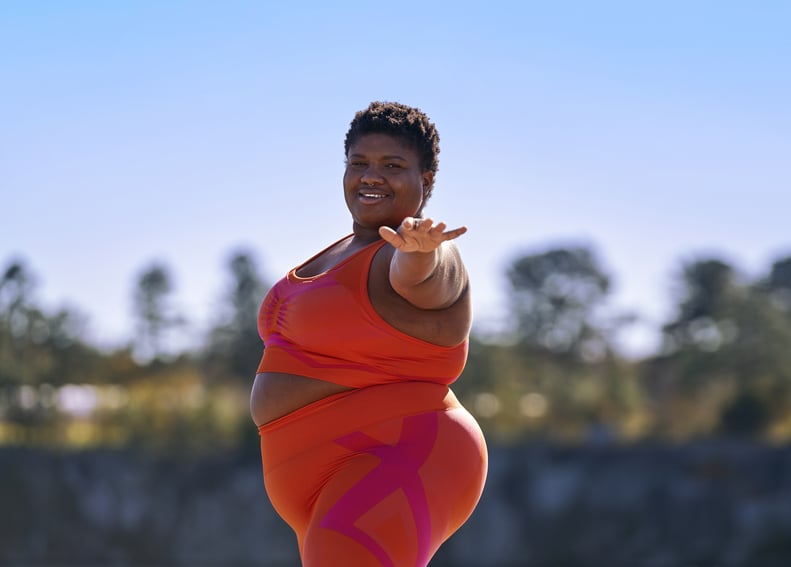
(373,195)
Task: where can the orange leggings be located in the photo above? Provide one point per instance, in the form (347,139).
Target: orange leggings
(378,477)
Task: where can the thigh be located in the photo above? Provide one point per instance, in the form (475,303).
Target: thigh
(380,476)
(406,484)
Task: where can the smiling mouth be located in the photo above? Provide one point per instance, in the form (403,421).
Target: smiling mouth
(371,195)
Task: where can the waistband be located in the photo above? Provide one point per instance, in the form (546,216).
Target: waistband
(342,413)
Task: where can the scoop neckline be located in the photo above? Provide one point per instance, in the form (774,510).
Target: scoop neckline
(292,274)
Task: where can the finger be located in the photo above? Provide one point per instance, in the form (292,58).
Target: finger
(455,233)
(391,236)
(439,227)
(425,224)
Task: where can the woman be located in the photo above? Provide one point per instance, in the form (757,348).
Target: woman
(367,454)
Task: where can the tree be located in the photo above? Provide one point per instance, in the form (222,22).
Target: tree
(20,322)
(725,365)
(559,376)
(154,314)
(234,345)
(778,283)
(554,295)
(709,291)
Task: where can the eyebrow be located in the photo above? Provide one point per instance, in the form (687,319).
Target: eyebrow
(383,157)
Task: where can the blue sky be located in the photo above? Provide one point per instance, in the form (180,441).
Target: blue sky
(180,131)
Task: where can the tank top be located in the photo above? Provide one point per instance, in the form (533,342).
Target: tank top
(325,327)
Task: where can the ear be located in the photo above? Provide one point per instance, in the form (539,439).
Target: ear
(428,181)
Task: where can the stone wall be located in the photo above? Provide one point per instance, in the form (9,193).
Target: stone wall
(709,504)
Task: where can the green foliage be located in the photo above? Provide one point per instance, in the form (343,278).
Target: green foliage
(724,367)
(516,392)
(234,347)
(153,312)
(36,347)
(57,390)
(554,295)
(745,415)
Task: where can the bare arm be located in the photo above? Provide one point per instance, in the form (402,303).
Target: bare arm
(426,268)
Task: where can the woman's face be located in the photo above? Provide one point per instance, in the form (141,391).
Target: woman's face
(383,182)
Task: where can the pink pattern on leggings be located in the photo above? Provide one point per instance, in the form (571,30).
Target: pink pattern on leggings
(398,469)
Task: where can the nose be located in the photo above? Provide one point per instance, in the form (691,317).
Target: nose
(371,176)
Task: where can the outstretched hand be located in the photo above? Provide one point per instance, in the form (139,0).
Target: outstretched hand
(419,235)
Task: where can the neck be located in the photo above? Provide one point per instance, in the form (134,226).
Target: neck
(365,235)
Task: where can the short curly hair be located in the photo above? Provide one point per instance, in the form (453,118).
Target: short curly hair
(409,124)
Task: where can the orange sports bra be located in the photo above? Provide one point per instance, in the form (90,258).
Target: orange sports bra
(325,327)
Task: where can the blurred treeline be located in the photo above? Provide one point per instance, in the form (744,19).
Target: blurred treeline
(552,372)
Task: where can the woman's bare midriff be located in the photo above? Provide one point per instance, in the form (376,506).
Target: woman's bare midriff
(276,394)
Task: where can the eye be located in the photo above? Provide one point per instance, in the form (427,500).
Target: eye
(355,163)
(393,166)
